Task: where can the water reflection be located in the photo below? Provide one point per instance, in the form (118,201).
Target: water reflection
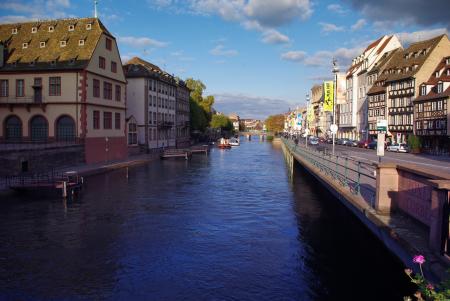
(225,227)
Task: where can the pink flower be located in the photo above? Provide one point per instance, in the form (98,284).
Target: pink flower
(419,259)
(408,271)
(430,286)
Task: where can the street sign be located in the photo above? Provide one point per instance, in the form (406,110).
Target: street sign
(399,137)
(333,128)
(382,125)
(380,144)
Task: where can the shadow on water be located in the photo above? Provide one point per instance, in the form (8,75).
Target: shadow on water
(348,261)
(229,226)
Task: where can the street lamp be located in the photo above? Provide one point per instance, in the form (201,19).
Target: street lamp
(334,127)
(307,116)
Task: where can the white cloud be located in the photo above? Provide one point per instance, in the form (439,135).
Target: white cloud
(141,42)
(275,13)
(35,9)
(416,36)
(220,50)
(336,8)
(359,24)
(273,36)
(329,27)
(14,19)
(294,56)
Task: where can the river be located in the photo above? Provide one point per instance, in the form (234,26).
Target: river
(230,226)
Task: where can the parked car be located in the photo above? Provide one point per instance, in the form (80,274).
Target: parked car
(399,148)
(313,140)
(372,145)
(322,140)
(330,141)
(363,143)
(351,143)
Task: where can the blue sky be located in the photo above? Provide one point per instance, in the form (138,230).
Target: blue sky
(258,57)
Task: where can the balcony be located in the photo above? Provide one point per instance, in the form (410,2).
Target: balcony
(27,101)
(165,124)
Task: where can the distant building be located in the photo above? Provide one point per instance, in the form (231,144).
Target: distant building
(61,82)
(235,120)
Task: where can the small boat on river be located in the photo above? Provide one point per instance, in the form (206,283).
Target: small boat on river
(234,142)
(224,144)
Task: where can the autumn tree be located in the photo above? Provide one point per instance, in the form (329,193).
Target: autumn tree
(275,123)
(222,122)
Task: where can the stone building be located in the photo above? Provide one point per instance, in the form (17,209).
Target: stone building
(353,113)
(432,110)
(405,73)
(61,82)
(152,100)
(182,115)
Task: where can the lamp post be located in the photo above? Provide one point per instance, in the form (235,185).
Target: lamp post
(307,116)
(334,127)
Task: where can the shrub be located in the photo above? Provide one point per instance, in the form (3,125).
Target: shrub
(414,142)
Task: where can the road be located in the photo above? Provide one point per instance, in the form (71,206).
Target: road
(441,163)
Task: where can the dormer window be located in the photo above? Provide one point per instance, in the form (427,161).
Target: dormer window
(72,61)
(71,27)
(14,31)
(440,87)
(63,43)
(32,63)
(24,45)
(436,74)
(88,26)
(53,62)
(447,61)
(81,42)
(448,72)
(423,90)
(51,28)
(33,29)
(42,44)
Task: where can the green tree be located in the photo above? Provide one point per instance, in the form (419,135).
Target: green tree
(222,122)
(275,123)
(201,107)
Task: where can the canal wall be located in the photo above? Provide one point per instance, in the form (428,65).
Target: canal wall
(404,234)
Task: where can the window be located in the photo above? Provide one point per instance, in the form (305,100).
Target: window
(88,26)
(14,31)
(101,62)
(132,133)
(436,74)
(113,67)
(54,86)
(13,129)
(51,28)
(96,120)
(65,129)
(423,90)
(440,87)
(96,88)
(117,121)
(62,43)
(42,44)
(39,129)
(4,88)
(118,93)
(20,88)
(81,42)
(108,44)
(25,45)
(33,29)
(107,120)
(71,27)
(447,61)
(107,90)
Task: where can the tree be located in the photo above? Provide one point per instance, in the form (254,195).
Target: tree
(222,122)
(275,123)
(201,107)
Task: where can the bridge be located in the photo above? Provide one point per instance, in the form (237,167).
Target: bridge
(405,206)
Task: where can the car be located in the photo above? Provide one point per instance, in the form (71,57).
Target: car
(399,148)
(363,143)
(322,140)
(351,143)
(330,141)
(313,140)
(372,145)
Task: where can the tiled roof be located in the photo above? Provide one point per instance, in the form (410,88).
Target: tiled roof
(373,44)
(433,80)
(25,52)
(433,95)
(376,89)
(384,45)
(411,59)
(137,67)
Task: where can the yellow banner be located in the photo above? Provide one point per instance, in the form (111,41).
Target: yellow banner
(310,114)
(328,90)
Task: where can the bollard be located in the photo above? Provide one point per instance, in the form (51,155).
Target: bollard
(64,192)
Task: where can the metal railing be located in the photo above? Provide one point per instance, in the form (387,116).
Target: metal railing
(359,177)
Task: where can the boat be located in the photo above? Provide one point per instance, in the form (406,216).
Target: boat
(223,144)
(234,142)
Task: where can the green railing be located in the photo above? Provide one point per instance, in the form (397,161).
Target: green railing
(359,177)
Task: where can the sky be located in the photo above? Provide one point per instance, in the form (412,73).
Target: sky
(257,57)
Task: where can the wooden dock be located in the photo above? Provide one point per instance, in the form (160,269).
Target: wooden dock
(200,149)
(176,153)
